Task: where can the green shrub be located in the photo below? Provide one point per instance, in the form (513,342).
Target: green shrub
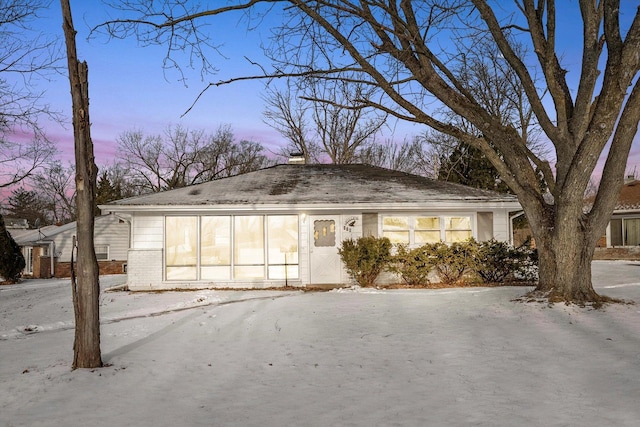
(11,259)
(365,258)
(412,265)
(498,262)
(454,261)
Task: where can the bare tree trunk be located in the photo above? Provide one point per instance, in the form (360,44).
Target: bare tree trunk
(565,253)
(86,346)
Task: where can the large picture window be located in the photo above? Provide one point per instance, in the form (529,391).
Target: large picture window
(243,247)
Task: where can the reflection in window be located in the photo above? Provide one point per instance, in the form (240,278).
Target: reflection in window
(427,230)
(248,250)
(215,247)
(625,231)
(232,247)
(396,228)
(457,228)
(282,244)
(419,230)
(181,250)
(324,233)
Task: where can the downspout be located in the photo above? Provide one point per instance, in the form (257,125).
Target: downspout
(52,254)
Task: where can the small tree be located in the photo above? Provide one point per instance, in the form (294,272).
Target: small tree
(365,258)
(11,259)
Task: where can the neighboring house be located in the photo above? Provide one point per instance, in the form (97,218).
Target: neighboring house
(622,238)
(283,225)
(111,241)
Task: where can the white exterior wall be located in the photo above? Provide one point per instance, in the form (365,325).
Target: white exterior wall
(501,226)
(147,232)
(146,256)
(108,230)
(113,232)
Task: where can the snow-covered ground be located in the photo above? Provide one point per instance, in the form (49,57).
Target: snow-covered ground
(358,357)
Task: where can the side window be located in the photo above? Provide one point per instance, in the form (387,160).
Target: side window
(324,233)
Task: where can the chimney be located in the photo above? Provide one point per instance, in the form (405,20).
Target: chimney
(296,159)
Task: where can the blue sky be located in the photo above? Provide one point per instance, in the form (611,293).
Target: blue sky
(129,89)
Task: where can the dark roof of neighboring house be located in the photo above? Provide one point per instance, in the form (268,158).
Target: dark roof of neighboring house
(315,184)
(629,196)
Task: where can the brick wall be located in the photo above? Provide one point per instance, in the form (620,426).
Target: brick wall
(627,253)
(144,269)
(63,269)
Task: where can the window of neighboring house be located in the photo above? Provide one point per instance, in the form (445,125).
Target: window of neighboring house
(457,228)
(632,231)
(231,247)
(102,252)
(625,231)
(419,230)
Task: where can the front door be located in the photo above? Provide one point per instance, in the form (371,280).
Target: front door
(324,260)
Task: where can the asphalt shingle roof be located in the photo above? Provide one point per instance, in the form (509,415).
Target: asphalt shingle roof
(317,183)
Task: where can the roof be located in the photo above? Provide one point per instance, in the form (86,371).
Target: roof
(629,196)
(45,234)
(316,184)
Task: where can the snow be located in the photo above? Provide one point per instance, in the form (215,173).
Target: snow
(354,357)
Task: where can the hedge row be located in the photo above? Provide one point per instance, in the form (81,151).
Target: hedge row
(456,263)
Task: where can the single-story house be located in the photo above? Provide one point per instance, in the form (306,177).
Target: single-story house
(622,238)
(283,225)
(47,250)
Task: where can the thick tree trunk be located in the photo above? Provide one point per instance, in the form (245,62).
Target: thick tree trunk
(565,254)
(86,347)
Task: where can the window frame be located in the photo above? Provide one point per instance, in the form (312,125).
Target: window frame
(95,248)
(622,232)
(413,226)
(291,269)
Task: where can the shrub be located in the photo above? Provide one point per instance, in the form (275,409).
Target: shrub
(11,259)
(452,262)
(365,258)
(412,265)
(499,261)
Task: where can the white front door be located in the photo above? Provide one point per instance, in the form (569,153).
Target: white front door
(325,238)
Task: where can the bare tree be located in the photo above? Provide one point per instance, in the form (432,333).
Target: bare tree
(289,115)
(325,119)
(408,156)
(183,157)
(26,57)
(85,283)
(56,185)
(412,53)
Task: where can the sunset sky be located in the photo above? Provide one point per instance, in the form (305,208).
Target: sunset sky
(129,90)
